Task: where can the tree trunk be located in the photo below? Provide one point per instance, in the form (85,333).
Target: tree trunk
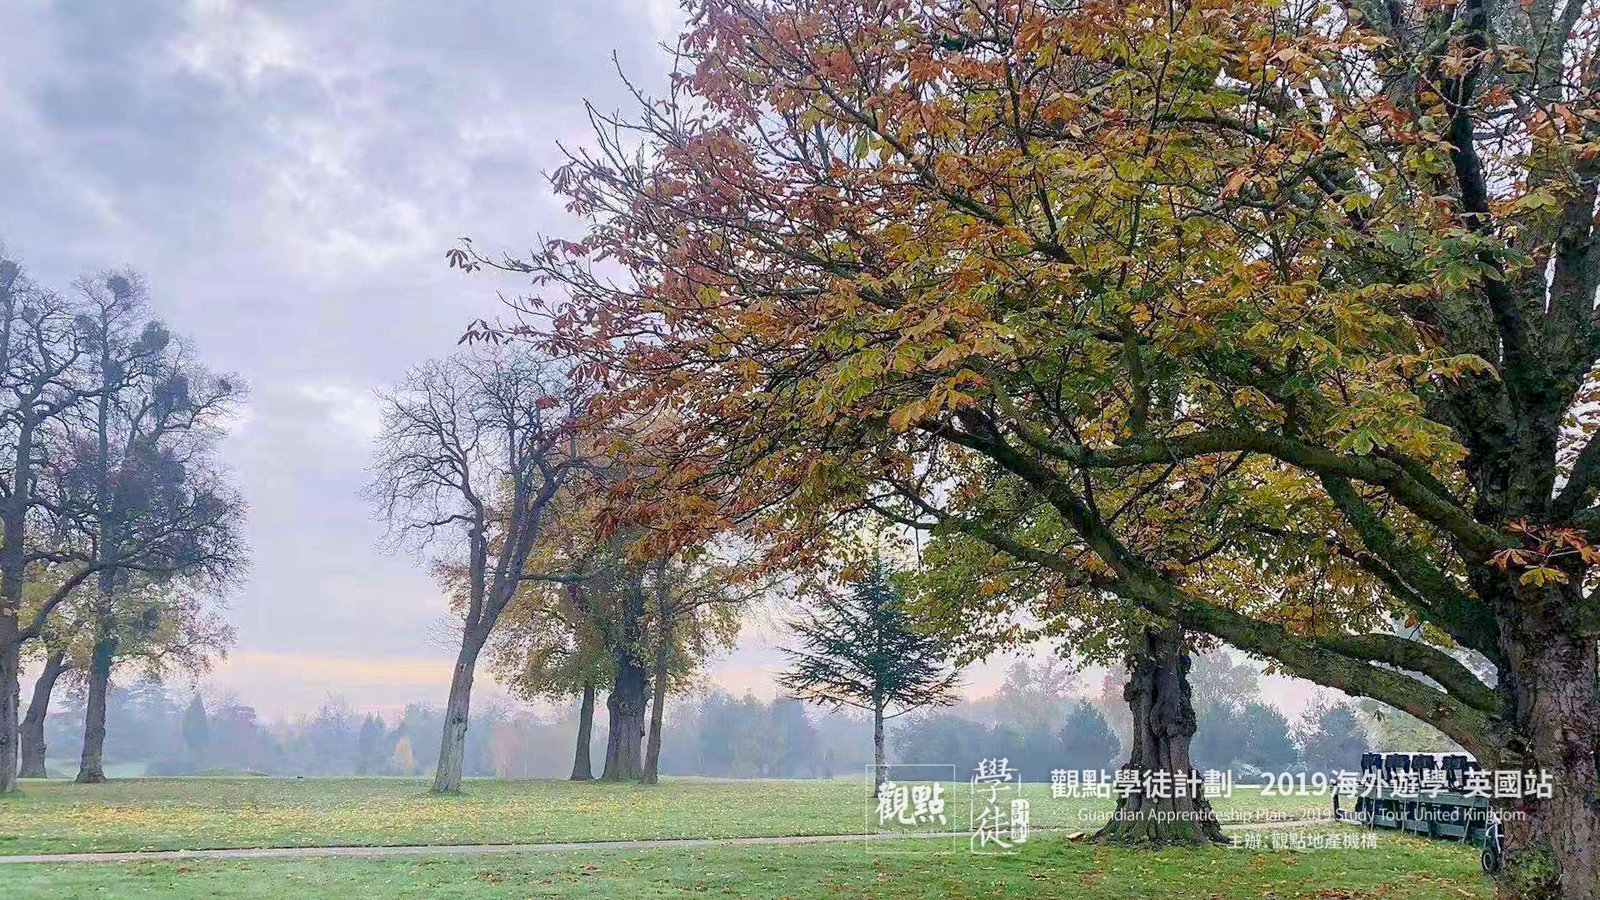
(625,708)
(1163,725)
(880,771)
(90,767)
(10,701)
(33,748)
(581,769)
(13,569)
(90,770)
(1552,845)
(453,743)
(658,702)
(630,691)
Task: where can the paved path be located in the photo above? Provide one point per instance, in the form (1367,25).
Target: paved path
(433,849)
(478,849)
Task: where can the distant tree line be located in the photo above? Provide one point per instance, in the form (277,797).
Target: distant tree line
(722,736)
(155,730)
(1083,740)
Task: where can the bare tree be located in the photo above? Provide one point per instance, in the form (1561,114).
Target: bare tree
(473,450)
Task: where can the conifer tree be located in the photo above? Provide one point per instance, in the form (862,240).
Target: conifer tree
(861,650)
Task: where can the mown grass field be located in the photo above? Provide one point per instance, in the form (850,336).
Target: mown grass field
(1048,867)
(204,813)
(194,813)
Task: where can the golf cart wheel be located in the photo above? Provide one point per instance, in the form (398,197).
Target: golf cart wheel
(1489,859)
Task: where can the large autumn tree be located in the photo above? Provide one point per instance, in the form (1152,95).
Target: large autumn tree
(1273,320)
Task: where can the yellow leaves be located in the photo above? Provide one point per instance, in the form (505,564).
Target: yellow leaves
(1260,331)
(1387,415)
(1460,365)
(1543,575)
(1251,398)
(947,355)
(946,396)
(1172,194)
(907,416)
(1534,201)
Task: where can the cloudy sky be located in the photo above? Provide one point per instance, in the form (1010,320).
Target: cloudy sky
(289,176)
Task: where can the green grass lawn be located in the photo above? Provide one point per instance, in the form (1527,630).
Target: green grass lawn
(180,813)
(196,813)
(1049,867)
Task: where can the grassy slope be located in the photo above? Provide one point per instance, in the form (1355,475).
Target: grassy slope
(186,813)
(1400,869)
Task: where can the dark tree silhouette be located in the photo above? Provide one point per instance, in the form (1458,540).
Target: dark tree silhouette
(861,650)
(1086,738)
(108,429)
(40,350)
(196,732)
(144,491)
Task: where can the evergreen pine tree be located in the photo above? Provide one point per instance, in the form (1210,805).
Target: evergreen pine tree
(861,650)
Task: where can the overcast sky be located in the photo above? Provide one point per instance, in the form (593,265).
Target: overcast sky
(289,175)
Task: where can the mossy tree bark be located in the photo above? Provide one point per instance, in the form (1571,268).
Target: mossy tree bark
(630,687)
(658,698)
(457,712)
(10,701)
(1552,843)
(625,708)
(1163,726)
(91,768)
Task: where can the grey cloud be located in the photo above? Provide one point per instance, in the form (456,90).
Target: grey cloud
(289,175)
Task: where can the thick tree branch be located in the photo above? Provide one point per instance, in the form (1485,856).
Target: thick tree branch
(1342,663)
(1578,493)
(1464,617)
(1137,582)
(1414,656)
(1409,491)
